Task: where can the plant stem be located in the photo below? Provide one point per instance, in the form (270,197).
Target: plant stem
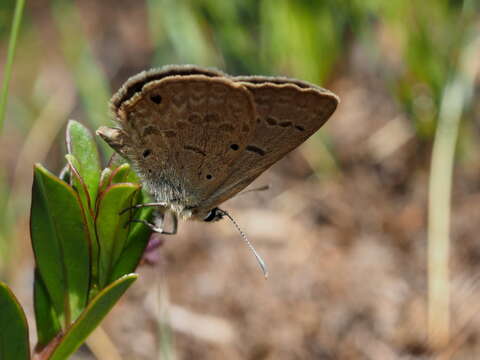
(17,17)
(102,346)
(455,96)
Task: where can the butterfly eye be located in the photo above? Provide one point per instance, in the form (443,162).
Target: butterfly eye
(157,99)
(209,177)
(210,216)
(214,215)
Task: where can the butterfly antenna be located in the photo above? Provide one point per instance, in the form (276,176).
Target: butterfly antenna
(260,261)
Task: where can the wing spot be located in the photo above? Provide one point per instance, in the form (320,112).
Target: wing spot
(299,128)
(258,120)
(208,176)
(234,147)
(255,150)
(285,124)
(195,149)
(146,153)
(226,127)
(271,121)
(157,99)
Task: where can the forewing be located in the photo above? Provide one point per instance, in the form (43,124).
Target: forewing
(289,111)
(187,132)
(135,84)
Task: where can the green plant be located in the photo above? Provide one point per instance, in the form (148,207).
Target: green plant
(85,251)
(17,19)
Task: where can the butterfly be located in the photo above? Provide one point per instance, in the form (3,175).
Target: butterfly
(196,137)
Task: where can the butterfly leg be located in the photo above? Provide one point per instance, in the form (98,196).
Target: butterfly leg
(160,220)
(174,224)
(138,206)
(152,227)
(158,226)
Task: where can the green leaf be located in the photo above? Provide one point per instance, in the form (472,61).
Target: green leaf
(78,183)
(112,228)
(81,144)
(136,243)
(60,243)
(46,318)
(124,174)
(115,161)
(91,317)
(14,343)
(104,180)
(88,211)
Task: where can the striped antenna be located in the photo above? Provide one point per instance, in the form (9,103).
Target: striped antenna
(260,261)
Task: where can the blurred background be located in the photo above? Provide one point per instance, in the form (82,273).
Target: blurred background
(371,229)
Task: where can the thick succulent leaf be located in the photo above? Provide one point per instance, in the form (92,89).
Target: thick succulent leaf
(81,144)
(104,180)
(113,228)
(123,174)
(14,343)
(91,317)
(46,319)
(78,184)
(60,242)
(115,161)
(88,211)
(136,243)
(65,174)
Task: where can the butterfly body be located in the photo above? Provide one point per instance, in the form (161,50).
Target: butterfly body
(197,137)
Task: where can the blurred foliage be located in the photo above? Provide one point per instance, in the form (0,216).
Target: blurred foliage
(312,40)
(6,13)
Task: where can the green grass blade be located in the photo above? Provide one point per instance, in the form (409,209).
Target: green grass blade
(17,18)
(14,343)
(91,317)
(456,95)
(90,79)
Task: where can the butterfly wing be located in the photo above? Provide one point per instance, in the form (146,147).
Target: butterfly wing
(185,133)
(289,111)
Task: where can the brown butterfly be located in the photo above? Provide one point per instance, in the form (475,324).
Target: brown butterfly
(197,136)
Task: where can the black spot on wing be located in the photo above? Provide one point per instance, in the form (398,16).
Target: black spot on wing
(255,149)
(195,149)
